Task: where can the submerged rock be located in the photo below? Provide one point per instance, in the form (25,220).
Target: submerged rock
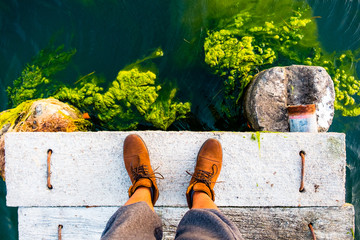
(273,90)
(45,115)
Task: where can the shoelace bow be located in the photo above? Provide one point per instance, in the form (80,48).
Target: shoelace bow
(204,176)
(142,171)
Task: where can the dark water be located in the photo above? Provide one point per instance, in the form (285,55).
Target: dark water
(111,34)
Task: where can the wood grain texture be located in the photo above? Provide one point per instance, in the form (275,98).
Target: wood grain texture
(259,169)
(333,223)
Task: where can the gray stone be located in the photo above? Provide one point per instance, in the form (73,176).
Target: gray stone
(272,90)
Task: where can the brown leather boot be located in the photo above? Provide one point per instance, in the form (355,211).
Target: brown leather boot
(137,164)
(207,170)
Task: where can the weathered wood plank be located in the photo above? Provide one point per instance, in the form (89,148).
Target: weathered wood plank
(254,223)
(259,169)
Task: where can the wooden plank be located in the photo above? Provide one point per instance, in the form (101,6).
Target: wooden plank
(254,223)
(259,169)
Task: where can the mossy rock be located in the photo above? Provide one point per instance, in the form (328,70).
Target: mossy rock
(42,115)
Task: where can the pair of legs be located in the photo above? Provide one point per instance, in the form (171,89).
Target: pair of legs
(143,194)
(137,218)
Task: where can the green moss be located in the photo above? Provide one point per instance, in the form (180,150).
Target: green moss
(28,86)
(341,69)
(36,80)
(253,137)
(15,115)
(256,137)
(241,46)
(163,113)
(52,61)
(352,233)
(132,98)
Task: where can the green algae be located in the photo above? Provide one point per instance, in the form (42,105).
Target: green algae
(12,116)
(244,44)
(253,137)
(352,232)
(131,99)
(256,137)
(164,112)
(53,60)
(36,80)
(341,69)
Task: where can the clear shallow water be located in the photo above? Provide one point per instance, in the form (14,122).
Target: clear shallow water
(109,35)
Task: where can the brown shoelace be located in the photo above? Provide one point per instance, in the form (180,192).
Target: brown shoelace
(143,172)
(204,176)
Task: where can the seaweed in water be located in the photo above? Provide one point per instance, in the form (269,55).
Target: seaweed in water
(132,98)
(243,45)
(37,78)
